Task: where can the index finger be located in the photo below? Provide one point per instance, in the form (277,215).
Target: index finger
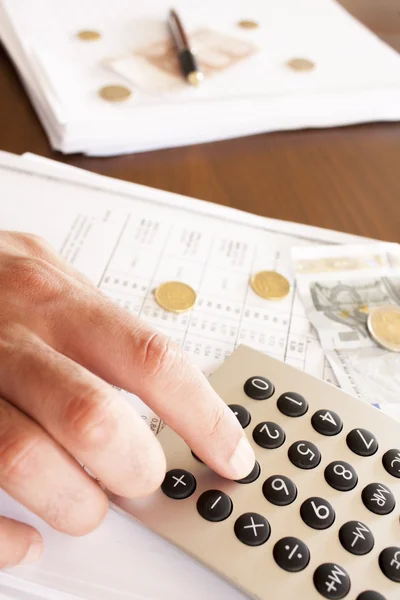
(121,349)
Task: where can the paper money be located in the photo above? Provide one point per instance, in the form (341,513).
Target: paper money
(338,286)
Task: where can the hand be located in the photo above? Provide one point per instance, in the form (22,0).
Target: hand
(62,345)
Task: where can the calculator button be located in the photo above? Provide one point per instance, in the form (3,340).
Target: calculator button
(317,513)
(178,484)
(362,442)
(252,529)
(341,476)
(304,455)
(356,538)
(259,388)
(370,595)
(389,562)
(332,581)
(292,404)
(291,554)
(391,462)
(378,498)
(214,505)
(327,422)
(252,476)
(241,413)
(279,490)
(269,435)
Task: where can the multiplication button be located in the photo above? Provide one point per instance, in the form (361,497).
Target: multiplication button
(341,476)
(291,554)
(178,484)
(356,538)
(292,404)
(304,455)
(259,388)
(317,513)
(332,581)
(378,498)
(279,490)
(252,529)
(362,442)
(269,435)
(241,413)
(214,505)
(391,462)
(327,422)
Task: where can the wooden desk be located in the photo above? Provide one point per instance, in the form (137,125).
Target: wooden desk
(346,178)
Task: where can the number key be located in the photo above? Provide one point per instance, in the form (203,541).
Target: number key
(341,476)
(304,455)
(269,435)
(327,422)
(362,442)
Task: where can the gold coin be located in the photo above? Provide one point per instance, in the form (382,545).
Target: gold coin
(88,35)
(384,326)
(175,296)
(270,285)
(300,64)
(248,24)
(115,93)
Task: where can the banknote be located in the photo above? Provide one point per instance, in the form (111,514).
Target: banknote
(338,286)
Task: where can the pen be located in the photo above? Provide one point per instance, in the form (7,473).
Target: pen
(186,57)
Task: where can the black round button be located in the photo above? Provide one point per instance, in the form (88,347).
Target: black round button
(279,490)
(259,388)
(370,595)
(292,404)
(356,538)
(391,462)
(317,513)
(389,562)
(362,442)
(252,529)
(327,422)
(269,435)
(341,476)
(252,476)
(378,498)
(291,554)
(304,455)
(214,505)
(332,581)
(178,484)
(241,413)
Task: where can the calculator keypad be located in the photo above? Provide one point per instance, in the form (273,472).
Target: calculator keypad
(241,413)
(279,490)
(356,538)
(291,554)
(327,422)
(304,455)
(341,476)
(269,435)
(332,581)
(389,562)
(362,442)
(252,529)
(391,462)
(178,484)
(378,498)
(292,404)
(214,505)
(259,388)
(317,513)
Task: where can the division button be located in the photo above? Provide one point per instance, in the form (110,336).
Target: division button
(178,484)
(252,476)
(362,442)
(327,422)
(279,490)
(341,476)
(241,413)
(214,505)
(291,554)
(370,595)
(332,581)
(317,513)
(259,388)
(356,538)
(391,462)
(269,435)
(304,455)
(389,562)
(292,404)
(252,529)
(378,498)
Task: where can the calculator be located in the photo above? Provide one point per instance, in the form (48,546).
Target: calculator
(317,517)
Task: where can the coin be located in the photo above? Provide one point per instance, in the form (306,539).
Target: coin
(300,64)
(88,35)
(270,285)
(175,296)
(115,93)
(248,24)
(384,326)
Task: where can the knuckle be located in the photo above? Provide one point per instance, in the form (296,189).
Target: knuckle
(160,357)
(31,276)
(87,418)
(19,456)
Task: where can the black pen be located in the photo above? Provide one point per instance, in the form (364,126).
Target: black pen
(187,60)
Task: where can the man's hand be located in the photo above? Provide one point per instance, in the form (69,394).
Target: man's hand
(62,345)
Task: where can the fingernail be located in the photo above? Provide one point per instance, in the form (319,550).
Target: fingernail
(243,459)
(34,552)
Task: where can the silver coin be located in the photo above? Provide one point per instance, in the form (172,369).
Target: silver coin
(384,326)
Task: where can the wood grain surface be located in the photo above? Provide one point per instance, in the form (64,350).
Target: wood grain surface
(344,178)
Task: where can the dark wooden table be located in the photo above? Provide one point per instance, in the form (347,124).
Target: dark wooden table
(345,178)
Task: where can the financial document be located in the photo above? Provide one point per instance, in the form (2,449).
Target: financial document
(128,239)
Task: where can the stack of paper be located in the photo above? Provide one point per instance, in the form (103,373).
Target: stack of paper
(104,80)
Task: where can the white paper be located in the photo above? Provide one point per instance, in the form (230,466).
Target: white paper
(216,252)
